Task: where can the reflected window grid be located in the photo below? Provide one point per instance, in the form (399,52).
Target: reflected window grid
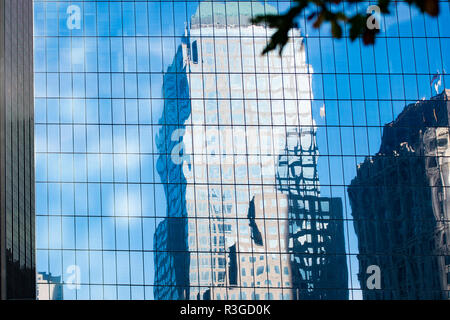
(111,99)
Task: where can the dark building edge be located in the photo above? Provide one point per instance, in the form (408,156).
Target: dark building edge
(17,263)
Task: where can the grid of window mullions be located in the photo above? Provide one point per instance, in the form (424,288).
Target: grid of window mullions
(346,76)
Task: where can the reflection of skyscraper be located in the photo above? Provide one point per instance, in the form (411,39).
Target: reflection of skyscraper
(317,248)
(229,114)
(17,245)
(171,234)
(48,287)
(316,231)
(401,207)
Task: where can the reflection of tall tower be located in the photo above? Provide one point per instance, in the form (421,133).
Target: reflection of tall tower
(172,258)
(238,112)
(401,208)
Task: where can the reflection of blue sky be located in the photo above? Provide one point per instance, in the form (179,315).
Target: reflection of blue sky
(102,215)
(106,151)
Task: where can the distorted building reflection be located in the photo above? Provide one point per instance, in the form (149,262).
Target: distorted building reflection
(316,229)
(48,287)
(400,203)
(238,157)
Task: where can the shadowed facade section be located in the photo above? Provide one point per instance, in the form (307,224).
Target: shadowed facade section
(400,204)
(17,246)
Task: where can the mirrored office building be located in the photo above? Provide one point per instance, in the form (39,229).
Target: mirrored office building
(175,161)
(239,154)
(400,205)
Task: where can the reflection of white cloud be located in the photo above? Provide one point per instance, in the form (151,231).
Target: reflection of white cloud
(121,205)
(78,56)
(134,201)
(127,201)
(126,167)
(121,201)
(157,108)
(322,111)
(155,51)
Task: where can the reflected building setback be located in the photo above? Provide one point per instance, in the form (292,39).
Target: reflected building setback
(48,287)
(317,247)
(316,229)
(400,204)
(238,156)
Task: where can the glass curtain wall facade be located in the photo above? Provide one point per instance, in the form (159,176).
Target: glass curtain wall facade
(174,161)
